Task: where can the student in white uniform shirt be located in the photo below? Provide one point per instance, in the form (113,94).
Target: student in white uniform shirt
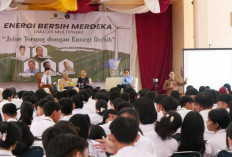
(192,135)
(7,98)
(158,106)
(97,118)
(164,144)
(67,107)
(78,102)
(26,112)
(204,104)
(218,120)
(39,109)
(67,145)
(223,101)
(187,105)
(89,105)
(9,134)
(113,96)
(147,115)
(9,112)
(52,116)
(123,139)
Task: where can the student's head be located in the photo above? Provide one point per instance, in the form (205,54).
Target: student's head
(9,110)
(78,101)
(96,132)
(151,94)
(115,103)
(223,101)
(124,104)
(204,100)
(133,94)
(101,106)
(14,92)
(67,145)
(189,87)
(168,124)
(158,101)
(114,89)
(10,133)
(125,96)
(72,92)
(201,89)
(126,72)
(187,102)
(85,95)
(130,113)
(228,87)
(31,64)
(30,99)
(103,96)
(22,50)
(113,96)
(175,94)
(218,119)
(66,106)
(26,112)
(168,104)
(146,110)
(39,51)
(142,92)
(229,135)
(57,96)
(39,106)
(52,110)
(25,139)
(109,115)
(192,133)
(60,128)
(127,133)
(7,94)
(192,92)
(40,94)
(81,121)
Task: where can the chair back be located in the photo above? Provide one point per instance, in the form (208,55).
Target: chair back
(35,151)
(186,154)
(224,153)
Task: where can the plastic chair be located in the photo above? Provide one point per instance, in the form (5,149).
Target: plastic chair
(224,153)
(186,154)
(35,151)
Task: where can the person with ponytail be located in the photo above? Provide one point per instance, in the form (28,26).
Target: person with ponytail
(26,112)
(9,134)
(101,107)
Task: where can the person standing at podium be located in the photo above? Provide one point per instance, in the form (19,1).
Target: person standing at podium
(172,84)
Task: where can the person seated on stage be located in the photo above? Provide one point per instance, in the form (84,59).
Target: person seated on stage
(126,80)
(172,84)
(46,80)
(65,82)
(83,80)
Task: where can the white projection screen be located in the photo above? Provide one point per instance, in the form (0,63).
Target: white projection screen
(208,67)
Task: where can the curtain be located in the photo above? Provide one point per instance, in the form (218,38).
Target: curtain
(154,37)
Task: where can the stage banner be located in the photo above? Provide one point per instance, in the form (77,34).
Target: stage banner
(30,41)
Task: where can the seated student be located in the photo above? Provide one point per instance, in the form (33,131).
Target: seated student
(67,145)
(132,93)
(57,96)
(26,112)
(204,104)
(96,132)
(52,116)
(124,139)
(223,101)
(9,134)
(175,94)
(89,105)
(116,102)
(25,141)
(66,106)
(60,128)
(187,105)
(78,103)
(158,105)
(127,80)
(218,120)
(97,118)
(168,104)
(147,116)
(125,96)
(112,97)
(165,145)
(192,92)
(39,109)
(7,98)
(108,116)
(192,134)
(9,112)
(123,105)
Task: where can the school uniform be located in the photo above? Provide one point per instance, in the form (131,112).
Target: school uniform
(207,134)
(17,102)
(80,111)
(183,112)
(90,106)
(12,120)
(145,144)
(37,118)
(106,128)
(159,116)
(164,148)
(95,118)
(3,102)
(65,118)
(130,151)
(6,153)
(38,127)
(94,152)
(218,141)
